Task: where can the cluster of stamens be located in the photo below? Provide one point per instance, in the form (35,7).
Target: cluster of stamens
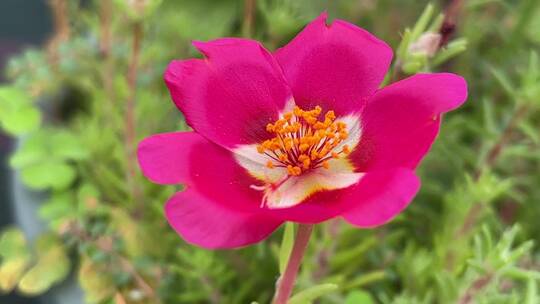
(303,141)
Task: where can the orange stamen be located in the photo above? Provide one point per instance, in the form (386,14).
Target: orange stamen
(303,141)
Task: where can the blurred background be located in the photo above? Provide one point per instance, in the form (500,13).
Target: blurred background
(81,85)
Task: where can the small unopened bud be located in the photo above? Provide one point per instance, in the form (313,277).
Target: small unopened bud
(427,44)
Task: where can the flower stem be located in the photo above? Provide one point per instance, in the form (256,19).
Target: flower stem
(285,283)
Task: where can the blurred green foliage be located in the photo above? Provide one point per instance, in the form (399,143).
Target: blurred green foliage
(468,237)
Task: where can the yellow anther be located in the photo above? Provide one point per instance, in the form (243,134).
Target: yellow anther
(290,170)
(328,123)
(294,170)
(310,120)
(306,163)
(330,115)
(288,146)
(325,165)
(319,125)
(303,141)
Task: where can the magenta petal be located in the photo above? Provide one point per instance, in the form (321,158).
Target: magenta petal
(230,96)
(401,121)
(379,194)
(202,222)
(218,209)
(337,66)
(163,158)
(383,195)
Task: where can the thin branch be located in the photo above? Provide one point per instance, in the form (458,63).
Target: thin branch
(129,119)
(105,45)
(475,287)
(449,25)
(62,29)
(249,17)
(105,18)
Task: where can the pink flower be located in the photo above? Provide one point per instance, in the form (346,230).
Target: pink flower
(302,134)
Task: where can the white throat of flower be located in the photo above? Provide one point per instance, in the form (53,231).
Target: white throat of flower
(308,153)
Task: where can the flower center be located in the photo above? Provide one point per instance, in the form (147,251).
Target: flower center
(303,142)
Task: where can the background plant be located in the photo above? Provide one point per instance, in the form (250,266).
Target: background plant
(79,106)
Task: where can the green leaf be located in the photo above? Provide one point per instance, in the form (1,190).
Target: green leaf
(364,279)
(138,10)
(87,198)
(309,295)
(13,95)
(60,208)
(46,145)
(42,159)
(504,81)
(14,258)
(422,22)
(359,297)
(25,119)
(17,114)
(532,296)
(130,231)
(451,50)
(12,242)
(52,267)
(32,150)
(404,44)
(66,146)
(54,174)
(286,246)
(94,279)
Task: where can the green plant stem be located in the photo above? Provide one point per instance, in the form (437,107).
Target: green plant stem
(286,282)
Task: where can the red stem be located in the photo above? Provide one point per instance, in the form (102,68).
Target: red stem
(285,283)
